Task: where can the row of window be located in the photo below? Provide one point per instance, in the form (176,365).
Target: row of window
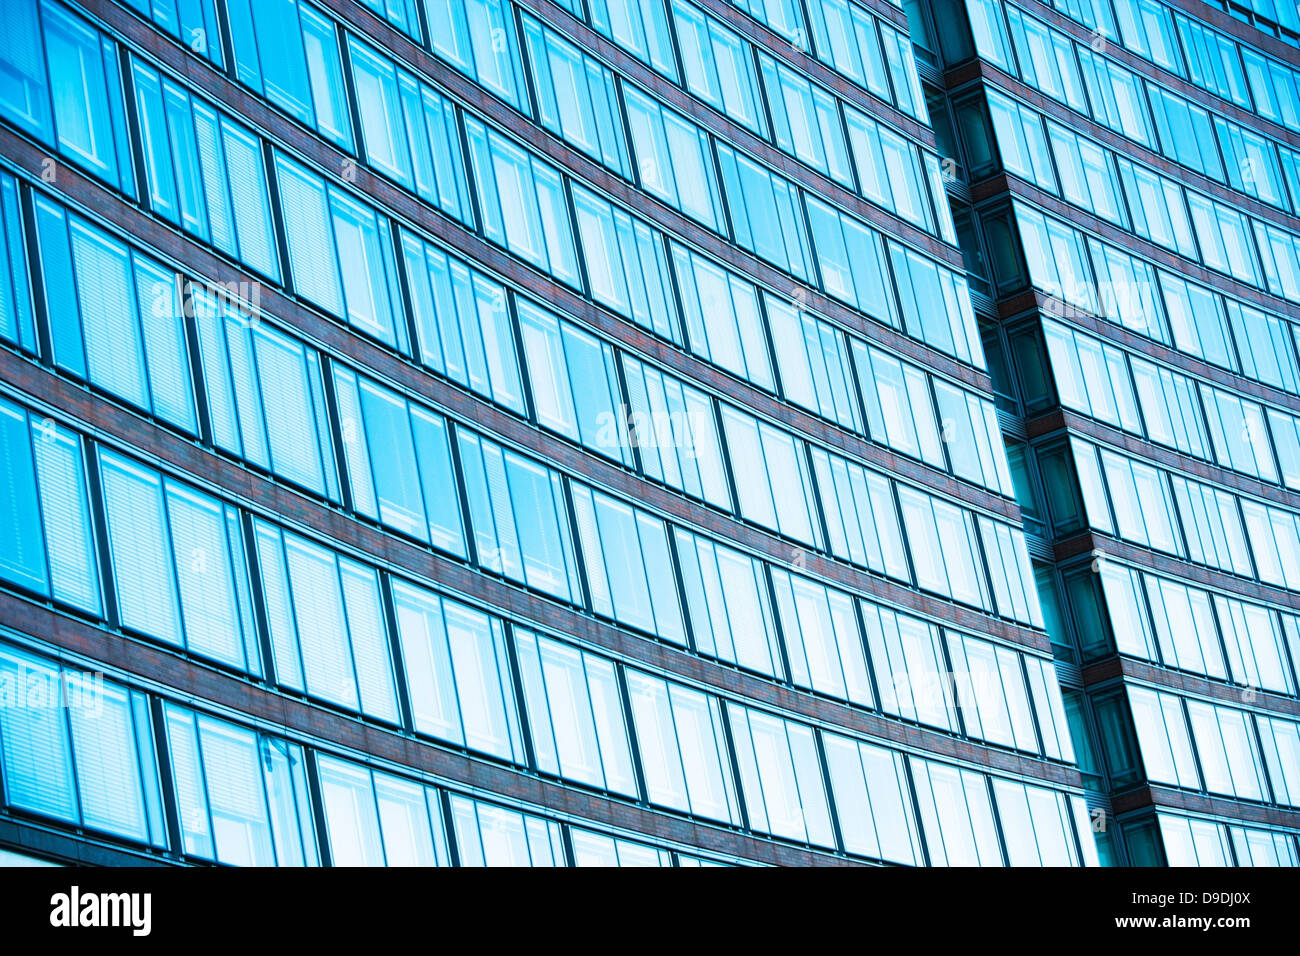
(1172,409)
(80,749)
(798,116)
(1192,841)
(1103,279)
(1214,62)
(1267,16)
(1164,213)
(237,796)
(578,99)
(1167,512)
(194,573)
(122,323)
(1111,187)
(1177,625)
(207,174)
(842,34)
(1208,747)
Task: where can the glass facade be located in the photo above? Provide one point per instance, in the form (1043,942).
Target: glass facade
(656,433)
(1123,184)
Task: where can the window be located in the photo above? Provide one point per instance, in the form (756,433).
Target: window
(874,801)
(1241,439)
(16,320)
(43,511)
(1255,644)
(1230,759)
(1087,175)
(478,38)
(265,396)
(765,217)
(902,72)
(1212,526)
(178,563)
(1184,626)
(1036,824)
(1142,504)
(627,269)
(79,749)
(814,364)
(1156,208)
(719,66)
(900,413)
(341,254)
(941,538)
(376,819)
(596,849)
(574,380)
(1116,96)
(522,203)
(851,259)
(992,693)
(1212,62)
(289,53)
(781,776)
(78,105)
(1047,60)
(909,666)
(114,317)
(576,713)
(1266,350)
(462,323)
(772,479)
(846,40)
(956,815)
(204,172)
(1281,746)
(518,516)
(626,557)
(727,600)
(1163,738)
(683,748)
(1021,142)
(241,796)
(1279,251)
(805,121)
(326,621)
(674,161)
(1224,239)
(973,437)
(935,305)
(399,462)
(822,639)
(1186,135)
(576,97)
(861,523)
(783,16)
(409,131)
(889,170)
(400,13)
(488,835)
(723,322)
(673,426)
(457,672)
(1193,842)
(638,26)
(1197,321)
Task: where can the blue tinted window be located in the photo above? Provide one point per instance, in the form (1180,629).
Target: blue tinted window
(289,53)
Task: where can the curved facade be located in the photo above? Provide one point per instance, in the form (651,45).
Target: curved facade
(505,431)
(1128,195)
